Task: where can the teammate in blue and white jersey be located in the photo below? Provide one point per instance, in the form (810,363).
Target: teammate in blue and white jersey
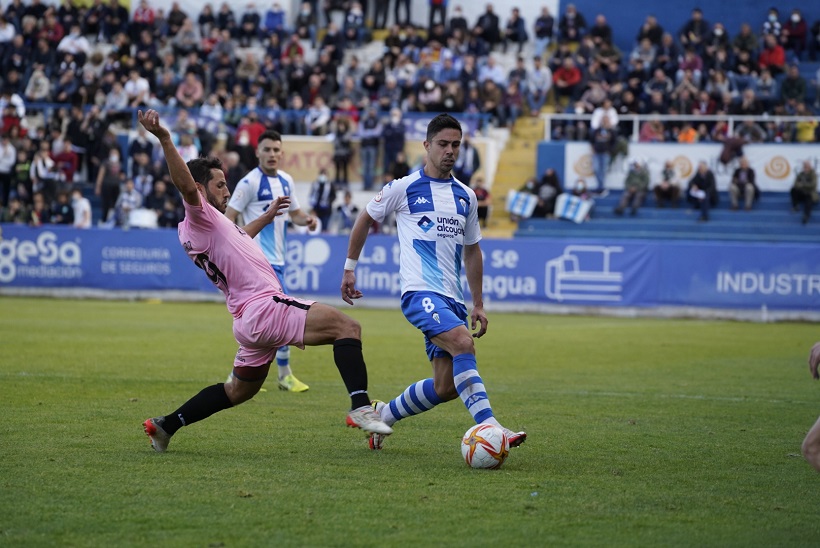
(251,198)
(437,221)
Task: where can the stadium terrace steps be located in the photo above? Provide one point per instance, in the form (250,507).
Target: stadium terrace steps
(515,165)
(770,220)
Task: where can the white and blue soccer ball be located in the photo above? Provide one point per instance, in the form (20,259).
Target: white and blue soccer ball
(485,446)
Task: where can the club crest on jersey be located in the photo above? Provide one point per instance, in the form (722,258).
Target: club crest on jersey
(426,224)
(436,317)
(378,197)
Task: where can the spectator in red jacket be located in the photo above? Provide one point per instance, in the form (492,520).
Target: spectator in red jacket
(773,56)
(567,79)
(67,162)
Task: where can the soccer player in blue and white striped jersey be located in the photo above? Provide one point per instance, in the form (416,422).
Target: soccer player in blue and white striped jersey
(254,193)
(437,221)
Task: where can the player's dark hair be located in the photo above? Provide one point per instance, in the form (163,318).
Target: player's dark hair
(271,134)
(201,169)
(439,123)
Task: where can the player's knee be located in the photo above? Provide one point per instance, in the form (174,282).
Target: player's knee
(463,344)
(349,328)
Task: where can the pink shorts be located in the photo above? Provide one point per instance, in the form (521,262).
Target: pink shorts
(266,325)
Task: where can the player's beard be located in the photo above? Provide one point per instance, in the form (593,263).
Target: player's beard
(220,204)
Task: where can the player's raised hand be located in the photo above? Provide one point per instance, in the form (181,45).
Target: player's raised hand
(150,121)
(278,207)
(349,291)
(478,317)
(311,222)
(814,360)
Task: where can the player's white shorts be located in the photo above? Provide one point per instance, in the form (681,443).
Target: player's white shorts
(265,325)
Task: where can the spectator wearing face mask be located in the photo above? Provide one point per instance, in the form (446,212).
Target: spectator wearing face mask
(772,23)
(793,36)
(393,137)
(322,196)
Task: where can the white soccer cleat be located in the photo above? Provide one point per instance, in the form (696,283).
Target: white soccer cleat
(376,441)
(514,438)
(158,436)
(367,419)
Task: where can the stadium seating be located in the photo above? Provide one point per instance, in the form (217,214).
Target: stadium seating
(771,220)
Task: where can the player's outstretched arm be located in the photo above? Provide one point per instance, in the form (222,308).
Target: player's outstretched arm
(180,174)
(814,360)
(358,236)
(474,265)
(300,218)
(277,207)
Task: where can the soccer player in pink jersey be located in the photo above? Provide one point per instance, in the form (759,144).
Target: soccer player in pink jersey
(265,318)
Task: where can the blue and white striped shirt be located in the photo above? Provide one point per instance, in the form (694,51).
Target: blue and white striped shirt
(253,194)
(435,218)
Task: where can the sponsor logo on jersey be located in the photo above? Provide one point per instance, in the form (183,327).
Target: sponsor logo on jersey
(449,227)
(426,224)
(421,200)
(378,197)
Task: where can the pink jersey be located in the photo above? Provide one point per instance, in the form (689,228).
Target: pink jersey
(229,257)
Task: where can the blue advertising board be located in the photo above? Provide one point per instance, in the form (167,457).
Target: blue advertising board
(633,273)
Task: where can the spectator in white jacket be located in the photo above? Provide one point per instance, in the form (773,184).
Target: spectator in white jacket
(539,82)
(605,110)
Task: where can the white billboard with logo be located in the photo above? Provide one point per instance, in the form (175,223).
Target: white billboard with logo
(775,165)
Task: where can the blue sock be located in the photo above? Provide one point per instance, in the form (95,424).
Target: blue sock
(471,388)
(417,398)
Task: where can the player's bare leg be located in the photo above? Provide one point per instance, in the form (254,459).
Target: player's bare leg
(327,325)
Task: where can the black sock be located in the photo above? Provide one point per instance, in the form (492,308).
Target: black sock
(347,353)
(210,400)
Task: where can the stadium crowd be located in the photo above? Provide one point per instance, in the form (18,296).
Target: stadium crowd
(73,75)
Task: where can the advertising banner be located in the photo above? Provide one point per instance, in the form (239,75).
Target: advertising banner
(775,165)
(634,273)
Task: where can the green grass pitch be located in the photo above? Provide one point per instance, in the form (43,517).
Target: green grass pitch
(642,432)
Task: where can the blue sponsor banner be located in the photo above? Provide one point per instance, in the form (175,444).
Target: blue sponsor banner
(636,273)
(56,256)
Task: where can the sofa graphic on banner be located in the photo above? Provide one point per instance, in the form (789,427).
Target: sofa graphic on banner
(584,273)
